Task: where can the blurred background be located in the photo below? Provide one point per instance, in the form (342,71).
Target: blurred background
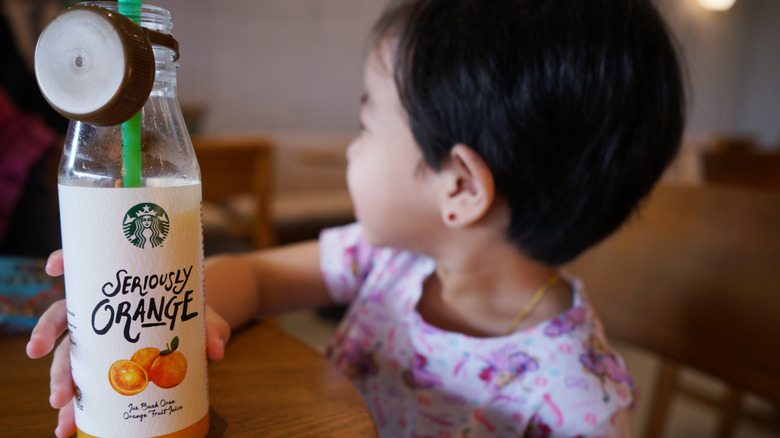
(297,64)
(284,77)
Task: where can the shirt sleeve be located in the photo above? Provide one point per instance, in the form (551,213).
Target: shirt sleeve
(345,261)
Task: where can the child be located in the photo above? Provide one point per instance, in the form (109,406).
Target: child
(499,140)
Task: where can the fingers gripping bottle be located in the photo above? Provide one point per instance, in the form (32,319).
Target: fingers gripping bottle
(130,199)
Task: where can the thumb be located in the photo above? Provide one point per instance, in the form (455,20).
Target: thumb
(54,264)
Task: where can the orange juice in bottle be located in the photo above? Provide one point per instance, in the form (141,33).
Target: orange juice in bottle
(130,209)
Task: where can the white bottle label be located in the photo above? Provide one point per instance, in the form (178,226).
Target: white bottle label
(136,308)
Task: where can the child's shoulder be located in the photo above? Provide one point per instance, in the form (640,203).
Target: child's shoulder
(351,266)
(562,367)
(346,245)
(566,365)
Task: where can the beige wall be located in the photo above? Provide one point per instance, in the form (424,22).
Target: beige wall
(733,60)
(273,64)
(296,64)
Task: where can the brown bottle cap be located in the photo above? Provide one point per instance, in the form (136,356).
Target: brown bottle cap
(94,65)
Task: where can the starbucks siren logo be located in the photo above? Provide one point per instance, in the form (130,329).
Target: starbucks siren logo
(146,225)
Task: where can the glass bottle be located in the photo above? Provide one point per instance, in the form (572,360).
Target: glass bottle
(133,254)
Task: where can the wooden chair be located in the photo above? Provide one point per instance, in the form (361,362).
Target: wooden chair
(736,161)
(236,166)
(743,168)
(694,278)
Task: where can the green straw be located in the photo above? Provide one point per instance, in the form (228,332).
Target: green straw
(131,129)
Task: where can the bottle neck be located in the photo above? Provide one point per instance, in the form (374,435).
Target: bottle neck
(167,156)
(152,17)
(165,73)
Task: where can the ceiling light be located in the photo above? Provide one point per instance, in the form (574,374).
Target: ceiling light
(717,5)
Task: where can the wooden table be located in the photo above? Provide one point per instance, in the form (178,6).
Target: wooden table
(269,385)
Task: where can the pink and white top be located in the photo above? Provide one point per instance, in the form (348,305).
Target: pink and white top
(559,378)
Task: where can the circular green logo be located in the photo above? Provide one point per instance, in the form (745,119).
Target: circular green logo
(146,225)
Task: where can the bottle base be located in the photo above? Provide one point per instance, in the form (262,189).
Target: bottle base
(198,430)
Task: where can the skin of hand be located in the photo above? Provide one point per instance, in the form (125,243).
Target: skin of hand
(53,323)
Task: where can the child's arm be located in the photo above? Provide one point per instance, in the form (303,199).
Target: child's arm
(239,287)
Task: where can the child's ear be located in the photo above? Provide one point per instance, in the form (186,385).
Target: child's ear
(468,189)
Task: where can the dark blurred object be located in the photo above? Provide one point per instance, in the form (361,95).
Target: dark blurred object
(30,138)
(29,224)
(738,161)
(728,144)
(20,24)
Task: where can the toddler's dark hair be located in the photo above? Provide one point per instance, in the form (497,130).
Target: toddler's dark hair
(577,106)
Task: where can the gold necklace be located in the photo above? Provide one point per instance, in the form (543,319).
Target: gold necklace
(537,296)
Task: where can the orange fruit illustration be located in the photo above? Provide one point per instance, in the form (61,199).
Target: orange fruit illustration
(127,377)
(145,357)
(168,370)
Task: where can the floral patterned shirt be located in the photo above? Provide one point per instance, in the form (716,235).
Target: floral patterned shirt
(556,379)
